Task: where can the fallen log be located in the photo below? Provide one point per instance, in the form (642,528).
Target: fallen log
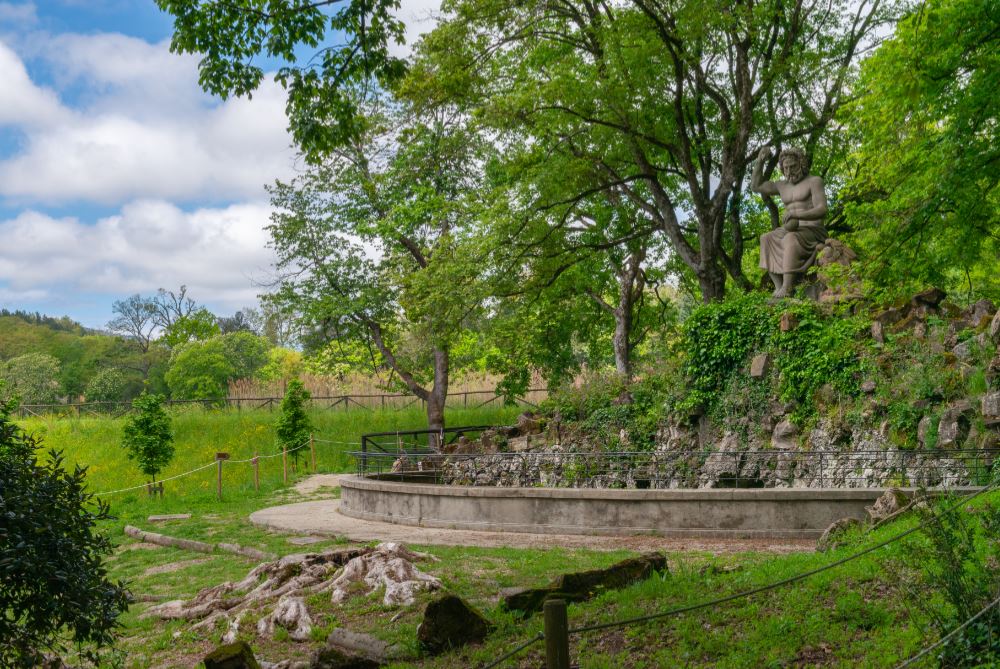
(164,540)
(197,546)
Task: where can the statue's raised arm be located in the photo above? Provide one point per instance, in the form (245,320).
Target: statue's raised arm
(788,251)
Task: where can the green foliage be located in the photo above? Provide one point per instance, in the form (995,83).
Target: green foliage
(107,386)
(293,426)
(924,195)
(33,378)
(199,372)
(147,436)
(717,340)
(282,363)
(54,588)
(199,325)
(232,37)
(820,350)
(245,352)
(952,571)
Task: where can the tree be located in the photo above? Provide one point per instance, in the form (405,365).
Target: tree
(199,371)
(135,319)
(198,325)
(32,378)
(172,307)
(372,245)
(54,588)
(925,196)
(245,320)
(293,425)
(245,352)
(233,36)
(108,385)
(661,104)
(147,437)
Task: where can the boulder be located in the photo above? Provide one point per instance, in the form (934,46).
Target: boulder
(759,365)
(581,586)
(890,316)
(868,387)
(449,623)
(954,424)
(990,408)
(785,436)
(994,329)
(931,297)
(829,540)
(983,309)
(345,649)
(789,321)
(236,655)
(889,503)
(922,428)
(878,332)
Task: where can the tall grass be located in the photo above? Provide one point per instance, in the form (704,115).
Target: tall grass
(95,443)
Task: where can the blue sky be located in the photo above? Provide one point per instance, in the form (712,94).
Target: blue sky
(118,174)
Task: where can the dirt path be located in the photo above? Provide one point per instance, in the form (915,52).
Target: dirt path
(323,517)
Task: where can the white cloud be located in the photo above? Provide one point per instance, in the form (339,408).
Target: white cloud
(216,252)
(140,128)
(19,14)
(419,17)
(22,103)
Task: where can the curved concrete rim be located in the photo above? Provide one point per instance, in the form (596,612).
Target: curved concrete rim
(757,513)
(323,518)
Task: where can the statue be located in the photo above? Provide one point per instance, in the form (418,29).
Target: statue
(788,251)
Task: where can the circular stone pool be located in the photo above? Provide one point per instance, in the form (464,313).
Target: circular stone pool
(728,512)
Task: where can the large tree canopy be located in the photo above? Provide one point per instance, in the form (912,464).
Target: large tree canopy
(346,42)
(927,118)
(663,104)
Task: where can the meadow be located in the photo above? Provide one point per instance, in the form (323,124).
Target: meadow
(865,613)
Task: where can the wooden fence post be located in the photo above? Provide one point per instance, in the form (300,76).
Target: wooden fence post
(219,457)
(312,448)
(284,464)
(556,634)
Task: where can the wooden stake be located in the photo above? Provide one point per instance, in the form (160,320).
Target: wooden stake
(312,448)
(284,464)
(556,634)
(256,472)
(219,457)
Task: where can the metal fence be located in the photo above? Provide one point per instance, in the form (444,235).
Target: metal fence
(678,469)
(465,399)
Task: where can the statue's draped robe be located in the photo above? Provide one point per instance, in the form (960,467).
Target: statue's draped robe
(784,252)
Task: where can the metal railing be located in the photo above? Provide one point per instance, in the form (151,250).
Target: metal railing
(679,469)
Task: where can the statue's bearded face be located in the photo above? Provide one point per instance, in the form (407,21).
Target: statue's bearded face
(791,168)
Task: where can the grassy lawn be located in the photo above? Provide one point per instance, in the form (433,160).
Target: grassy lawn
(855,615)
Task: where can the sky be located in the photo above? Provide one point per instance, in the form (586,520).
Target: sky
(119,175)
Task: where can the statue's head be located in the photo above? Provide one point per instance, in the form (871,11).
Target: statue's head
(794,164)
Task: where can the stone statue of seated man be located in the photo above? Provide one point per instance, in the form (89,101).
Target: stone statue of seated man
(788,251)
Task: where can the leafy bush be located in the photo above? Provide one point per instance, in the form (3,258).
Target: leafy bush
(53,588)
(107,386)
(293,425)
(717,340)
(147,437)
(32,378)
(952,573)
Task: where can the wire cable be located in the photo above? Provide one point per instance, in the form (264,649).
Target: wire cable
(144,485)
(945,639)
(504,658)
(783,582)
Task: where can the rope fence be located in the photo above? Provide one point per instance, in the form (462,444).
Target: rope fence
(224,457)
(563,640)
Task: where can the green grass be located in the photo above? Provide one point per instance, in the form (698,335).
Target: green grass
(95,443)
(855,615)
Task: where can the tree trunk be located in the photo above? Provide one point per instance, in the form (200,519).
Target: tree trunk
(438,396)
(712,282)
(620,341)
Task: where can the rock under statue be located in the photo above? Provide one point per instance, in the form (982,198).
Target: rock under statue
(788,251)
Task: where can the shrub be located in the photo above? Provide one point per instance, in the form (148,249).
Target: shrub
(293,425)
(54,589)
(32,378)
(147,437)
(107,386)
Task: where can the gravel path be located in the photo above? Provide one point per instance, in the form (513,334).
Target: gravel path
(323,517)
